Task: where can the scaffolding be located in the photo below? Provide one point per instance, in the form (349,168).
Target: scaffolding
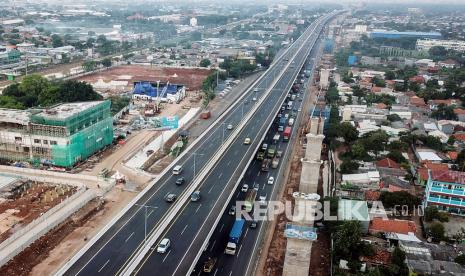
(82,129)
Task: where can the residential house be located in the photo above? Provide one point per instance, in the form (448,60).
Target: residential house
(446,190)
(382,225)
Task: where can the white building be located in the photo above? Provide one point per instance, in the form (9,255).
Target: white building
(193,22)
(324,78)
(426,44)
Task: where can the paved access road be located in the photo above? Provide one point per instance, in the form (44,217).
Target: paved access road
(193,226)
(110,253)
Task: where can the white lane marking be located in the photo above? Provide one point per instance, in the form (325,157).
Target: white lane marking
(263,188)
(148,215)
(221,174)
(221,229)
(239,252)
(200,205)
(129,237)
(184,229)
(213,246)
(230,273)
(246,231)
(167,254)
(216,270)
(211,188)
(229,162)
(104,265)
(258,174)
(237,194)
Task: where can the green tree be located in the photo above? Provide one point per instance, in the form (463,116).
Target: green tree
(106,62)
(397,199)
(390,75)
(56,41)
(348,166)
(436,231)
(89,65)
(347,131)
(32,86)
(398,266)
(393,117)
(205,62)
(460,259)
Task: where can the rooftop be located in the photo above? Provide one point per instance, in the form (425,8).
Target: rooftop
(392,225)
(64,111)
(14,116)
(448,176)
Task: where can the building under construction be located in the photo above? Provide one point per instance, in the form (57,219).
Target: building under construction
(61,135)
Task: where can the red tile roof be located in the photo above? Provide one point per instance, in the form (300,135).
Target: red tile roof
(436,166)
(417,101)
(394,188)
(423,173)
(381,106)
(372,195)
(459,136)
(452,155)
(417,79)
(448,176)
(381,257)
(376,89)
(387,163)
(392,225)
(459,111)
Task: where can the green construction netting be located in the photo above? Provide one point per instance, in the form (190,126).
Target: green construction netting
(78,121)
(84,143)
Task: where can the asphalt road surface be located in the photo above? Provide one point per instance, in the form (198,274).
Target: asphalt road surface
(116,246)
(192,226)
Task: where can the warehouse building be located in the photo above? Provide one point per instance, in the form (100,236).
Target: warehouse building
(397,35)
(426,44)
(61,135)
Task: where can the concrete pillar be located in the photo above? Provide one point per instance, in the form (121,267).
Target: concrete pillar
(309,176)
(321,126)
(314,125)
(313,150)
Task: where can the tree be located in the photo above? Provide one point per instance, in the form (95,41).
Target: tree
(460,259)
(398,199)
(379,82)
(432,213)
(390,75)
(347,131)
(398,266)
(205,62)
(56,41)
(89,65)
(106,62)
(348,166)
(397,156)
(437,52)
(393,118)
(437,231)
(32,86)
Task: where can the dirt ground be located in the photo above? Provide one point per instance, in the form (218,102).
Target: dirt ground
(192,78)
(28,205)
(59,246)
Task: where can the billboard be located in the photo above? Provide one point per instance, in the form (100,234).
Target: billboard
(300,232)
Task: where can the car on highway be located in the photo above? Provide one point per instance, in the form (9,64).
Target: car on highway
(300,109)
(270,180)
(170,197)
(254,99)
(209,264)
(286,115)
(180,181)
(247,141)
(255,89)
(262,199)
(177,169)
(253,224)
(232,210)
(256,186)
(195,196)
(245,188)
(230,127)
(280,115)
(299,99)
(164,245)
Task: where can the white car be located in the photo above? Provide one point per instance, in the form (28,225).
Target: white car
(262,199)
(300,109)
(245,188)
(271,180)
(286,115)
(164,245)
(230,127)
(254,99)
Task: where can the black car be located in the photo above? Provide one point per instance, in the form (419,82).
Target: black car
(180,181)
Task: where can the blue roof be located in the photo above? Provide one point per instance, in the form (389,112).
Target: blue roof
(396,34)
(147,88)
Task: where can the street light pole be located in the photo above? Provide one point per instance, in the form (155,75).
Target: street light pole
(145,218)
(195,154)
